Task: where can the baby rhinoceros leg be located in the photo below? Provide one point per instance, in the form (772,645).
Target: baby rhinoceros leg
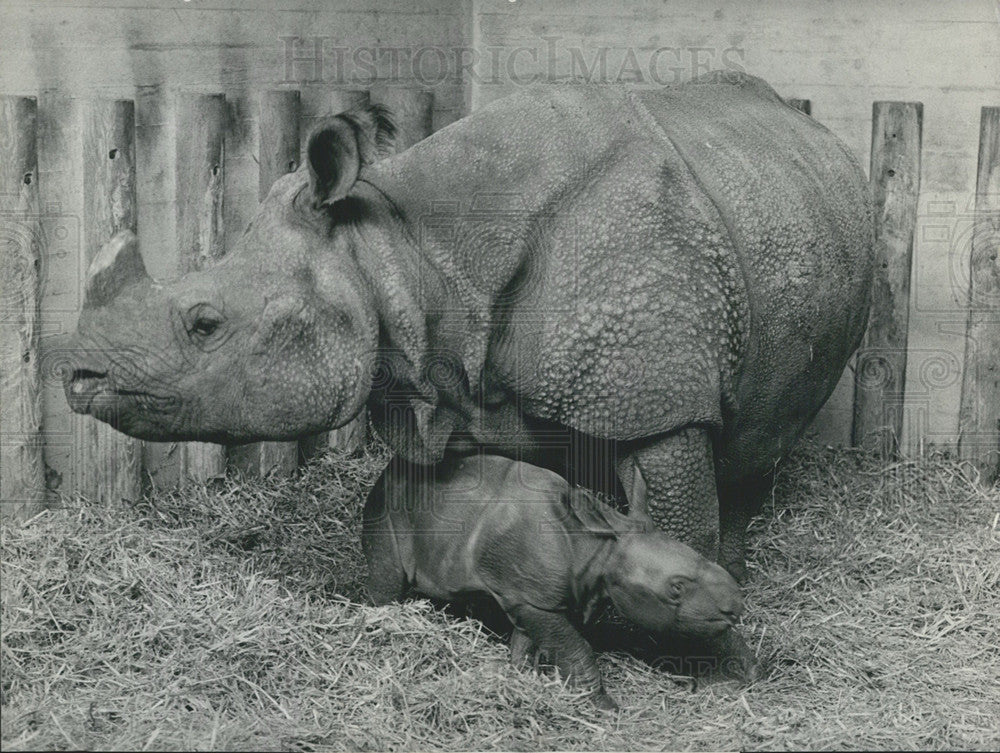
(386,575)
(550,634)
(523,652)
(386,578)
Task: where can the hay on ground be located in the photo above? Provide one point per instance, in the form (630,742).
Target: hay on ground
(230,618)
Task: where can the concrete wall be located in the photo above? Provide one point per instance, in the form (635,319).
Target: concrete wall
(70,50)
(841,55)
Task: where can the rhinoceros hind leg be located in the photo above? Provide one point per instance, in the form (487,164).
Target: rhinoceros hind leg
(551,636)
(678,471)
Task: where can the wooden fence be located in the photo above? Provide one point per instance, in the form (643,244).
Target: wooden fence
(110,463)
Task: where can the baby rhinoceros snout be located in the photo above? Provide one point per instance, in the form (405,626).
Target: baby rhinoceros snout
(665,586)
(724,590)
(711,604)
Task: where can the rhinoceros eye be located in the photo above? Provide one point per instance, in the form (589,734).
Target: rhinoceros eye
(203,321)
(676,588)
(204,327)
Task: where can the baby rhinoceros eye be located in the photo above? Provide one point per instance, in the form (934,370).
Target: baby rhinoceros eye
(676,589)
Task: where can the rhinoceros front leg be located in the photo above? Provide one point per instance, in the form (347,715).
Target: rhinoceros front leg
(552,637)
(676,487)
(677,491)
(672,482)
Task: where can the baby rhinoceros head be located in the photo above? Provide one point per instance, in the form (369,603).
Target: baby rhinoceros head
(663,585)
(655,581)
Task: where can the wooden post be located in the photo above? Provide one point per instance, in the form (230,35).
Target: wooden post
(979,418)
(352,436)
(279,137)
(880,376)
(347,99)
(803,105)
(278,155)
(21,466)
(201,124)
(110,463)
(60,168)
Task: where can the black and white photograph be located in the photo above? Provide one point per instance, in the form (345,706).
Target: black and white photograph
(500,375)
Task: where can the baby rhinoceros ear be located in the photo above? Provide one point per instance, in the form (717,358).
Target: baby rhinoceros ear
(341,146)
(598,518)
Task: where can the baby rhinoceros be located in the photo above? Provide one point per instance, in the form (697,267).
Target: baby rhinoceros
(549,554)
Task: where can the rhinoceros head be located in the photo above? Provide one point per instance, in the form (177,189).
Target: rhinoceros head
(656,582)
(665,586)
(274,341)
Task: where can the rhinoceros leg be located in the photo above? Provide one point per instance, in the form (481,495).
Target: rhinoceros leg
(737,503)
(676,488)
(523,652)
(678,475)
(386,575)
(386,579)
(552,636)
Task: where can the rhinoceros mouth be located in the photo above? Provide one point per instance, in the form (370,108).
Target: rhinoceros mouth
(94,393)
(703,627)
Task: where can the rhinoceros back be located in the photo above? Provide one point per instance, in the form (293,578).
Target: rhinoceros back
(487,524)
(796,206)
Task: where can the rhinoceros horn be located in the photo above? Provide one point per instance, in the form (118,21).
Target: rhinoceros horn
(115,266)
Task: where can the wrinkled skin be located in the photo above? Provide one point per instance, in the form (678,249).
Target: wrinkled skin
(656,290)
(241,350)
(550,555)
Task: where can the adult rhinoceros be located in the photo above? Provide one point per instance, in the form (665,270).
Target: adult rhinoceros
(673,278)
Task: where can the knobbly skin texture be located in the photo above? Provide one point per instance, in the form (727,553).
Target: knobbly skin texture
(658,287)
(552,556)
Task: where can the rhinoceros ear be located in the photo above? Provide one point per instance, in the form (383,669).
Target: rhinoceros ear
(117,265)
(599,519)
(341,146)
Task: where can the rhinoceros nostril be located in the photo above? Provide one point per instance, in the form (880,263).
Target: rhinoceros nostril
(732,611)
(83,386)
(85,380)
